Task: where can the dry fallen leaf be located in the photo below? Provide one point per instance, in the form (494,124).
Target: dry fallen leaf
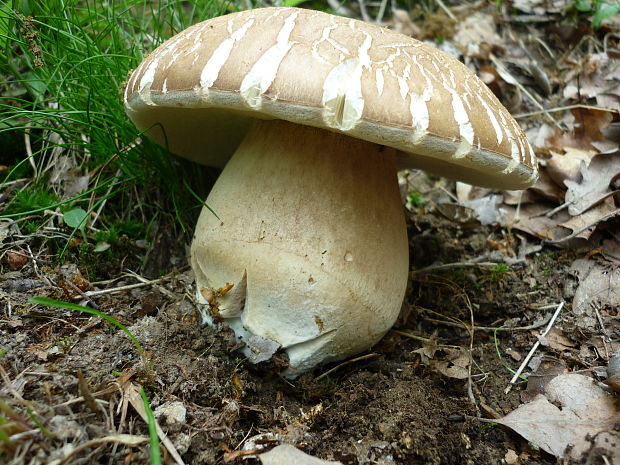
(556,340)
(455,365)
(547,188)
(132,393)
(584,224)
(17,259)
(547,369)
(485,208)
(586,130)
(474,31)
(611,251)
(598,286)
(586,410)
(287,455)
(531,219)
(594,186)
(402,23)
(563,166)
(600,79)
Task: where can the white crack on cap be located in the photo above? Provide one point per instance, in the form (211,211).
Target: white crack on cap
(221,54)
(343,101)
(264,71)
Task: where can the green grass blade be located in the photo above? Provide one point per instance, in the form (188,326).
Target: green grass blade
(154,439)
(80,308)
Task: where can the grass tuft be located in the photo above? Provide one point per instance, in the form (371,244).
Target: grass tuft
(62,65)
(80,308)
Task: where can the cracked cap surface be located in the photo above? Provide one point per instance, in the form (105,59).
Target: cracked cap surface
(204,86)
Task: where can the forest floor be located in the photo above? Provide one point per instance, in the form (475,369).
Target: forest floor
(489,270)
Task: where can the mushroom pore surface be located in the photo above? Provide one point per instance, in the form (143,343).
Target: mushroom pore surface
(311,236)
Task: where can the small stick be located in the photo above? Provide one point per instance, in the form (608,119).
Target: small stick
(161,289)
(357,359)
(505,74)
(365,16)
(423,339)
(379,19)
(490,328)
(467,264)
(82,294)
(446,10)
(5,377)
(125,288)
(536,344)
(470,390)
(564,108)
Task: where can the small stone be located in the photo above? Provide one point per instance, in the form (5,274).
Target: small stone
(511,457)
(171,413)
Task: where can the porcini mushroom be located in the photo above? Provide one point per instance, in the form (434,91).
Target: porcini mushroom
(311,115)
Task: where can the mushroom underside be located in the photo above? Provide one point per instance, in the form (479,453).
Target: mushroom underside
(309,247)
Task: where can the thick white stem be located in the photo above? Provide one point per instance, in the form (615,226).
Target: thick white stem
(311,235)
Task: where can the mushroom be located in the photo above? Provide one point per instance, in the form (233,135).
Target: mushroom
(311,115)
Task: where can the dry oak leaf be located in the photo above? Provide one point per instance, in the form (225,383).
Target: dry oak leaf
(586,410)
(594,186)
(531,219)
(587,129)
(598,286)
(547,188)
(567,166)
(455,365)
(548,369)
(584,224)
(473,31)
(600,79)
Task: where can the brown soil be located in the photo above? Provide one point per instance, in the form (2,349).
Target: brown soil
(387,409)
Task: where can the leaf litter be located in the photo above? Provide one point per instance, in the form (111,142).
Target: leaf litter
(585,410)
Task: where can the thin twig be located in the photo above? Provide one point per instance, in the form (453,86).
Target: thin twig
(542,307)
(476,262)
(564,108)
(579,231)
(127,439)
(511,80)
(337,367)
(446,9)
(426,340)
(531,353)
(365,16)
(470,382)
(412,336)
(595,306)
(82,294)
(114,290)
(5,377)
(557,209)
(155,282)
(490,328)
(381,12)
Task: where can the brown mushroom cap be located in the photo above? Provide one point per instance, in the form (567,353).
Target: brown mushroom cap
(204,87)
